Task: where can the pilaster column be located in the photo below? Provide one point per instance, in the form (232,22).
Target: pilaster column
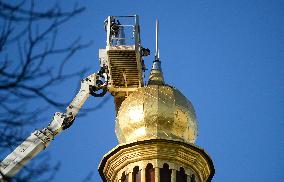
(157,174)
(188,178)
(173,175)
(130,177)
(143,175)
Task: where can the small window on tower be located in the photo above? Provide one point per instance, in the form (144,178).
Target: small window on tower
(181,176)
(165,173)
(150,173)
(136,174)
(124,178)
(192,178)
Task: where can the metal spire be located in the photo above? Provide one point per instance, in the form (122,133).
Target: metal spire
(156,75)
(157,56)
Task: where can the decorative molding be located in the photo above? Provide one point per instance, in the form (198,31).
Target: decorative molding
(125,157)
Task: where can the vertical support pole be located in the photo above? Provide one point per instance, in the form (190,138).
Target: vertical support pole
(136,32)
(108,42)
(157,174)
(143,175)
(173,175)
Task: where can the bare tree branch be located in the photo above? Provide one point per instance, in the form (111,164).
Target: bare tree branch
(28,42)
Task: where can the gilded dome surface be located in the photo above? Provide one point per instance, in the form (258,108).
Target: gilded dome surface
(156,112)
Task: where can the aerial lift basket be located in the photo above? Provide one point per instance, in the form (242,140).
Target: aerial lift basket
(122,56)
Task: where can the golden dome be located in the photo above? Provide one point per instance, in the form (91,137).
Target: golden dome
(156,112)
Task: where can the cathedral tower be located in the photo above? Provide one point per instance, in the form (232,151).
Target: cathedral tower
(156,128)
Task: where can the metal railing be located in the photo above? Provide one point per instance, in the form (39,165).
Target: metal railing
(122,30)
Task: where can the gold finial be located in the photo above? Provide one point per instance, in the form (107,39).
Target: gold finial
(156,75)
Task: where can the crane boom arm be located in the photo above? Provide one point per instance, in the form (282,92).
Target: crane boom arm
(40,139)
(121,73)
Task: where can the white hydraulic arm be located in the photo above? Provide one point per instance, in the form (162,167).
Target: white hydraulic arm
(121,73)
(40,139)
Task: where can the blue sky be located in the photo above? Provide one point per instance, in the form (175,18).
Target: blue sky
(225,56)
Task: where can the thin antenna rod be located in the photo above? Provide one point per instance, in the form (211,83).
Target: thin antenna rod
(157,54)
(156,76)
